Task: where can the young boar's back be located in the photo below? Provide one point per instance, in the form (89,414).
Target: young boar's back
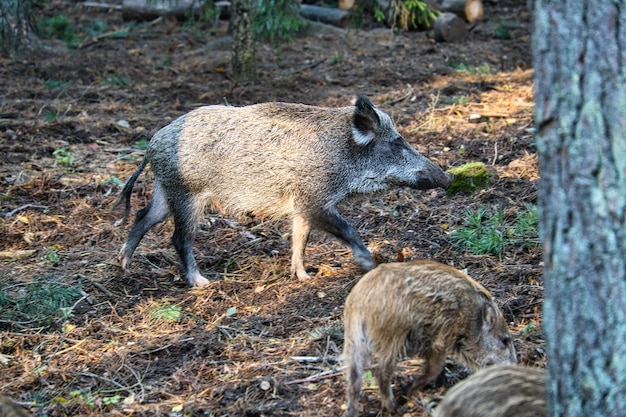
(498,391)
(425,301)
(272,151)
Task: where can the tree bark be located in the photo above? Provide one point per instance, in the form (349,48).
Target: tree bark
(243,61)
(16,33)
(580,117)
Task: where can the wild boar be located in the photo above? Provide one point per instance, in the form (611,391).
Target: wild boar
(8,408)
(421,308)
(274,160)
(498,391)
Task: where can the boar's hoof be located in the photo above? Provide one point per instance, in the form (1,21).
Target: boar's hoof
(366,262)
(197,280)
(122,258)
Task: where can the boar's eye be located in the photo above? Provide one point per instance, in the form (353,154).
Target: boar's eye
(397,144)
(506,341)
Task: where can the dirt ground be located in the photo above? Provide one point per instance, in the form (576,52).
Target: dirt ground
(255,342)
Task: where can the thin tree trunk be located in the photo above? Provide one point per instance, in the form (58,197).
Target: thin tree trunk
(580,97)
(243,56)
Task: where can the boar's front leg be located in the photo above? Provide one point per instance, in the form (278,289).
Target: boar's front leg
(331,221)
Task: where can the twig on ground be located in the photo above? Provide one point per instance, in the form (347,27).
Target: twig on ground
(25,206)
(322,375)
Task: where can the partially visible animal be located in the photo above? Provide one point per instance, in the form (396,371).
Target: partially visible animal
(421,308)
(498,391)
(274,160)
(8,408)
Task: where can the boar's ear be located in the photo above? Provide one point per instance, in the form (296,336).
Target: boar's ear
(490,316)
(365,121)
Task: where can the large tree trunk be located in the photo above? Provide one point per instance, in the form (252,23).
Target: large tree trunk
(243,61)
(16,34)
(580,115)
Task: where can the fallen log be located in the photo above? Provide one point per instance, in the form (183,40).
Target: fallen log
(149,10)
(331,16)
(180,9)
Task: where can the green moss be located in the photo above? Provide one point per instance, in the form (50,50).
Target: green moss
(469,178)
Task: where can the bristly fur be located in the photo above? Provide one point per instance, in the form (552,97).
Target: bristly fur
(498,391)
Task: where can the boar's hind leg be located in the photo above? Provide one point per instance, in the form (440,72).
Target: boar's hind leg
(355,358)
(383,375)
(155,212)
(300,234)
(332,222)
(184,232)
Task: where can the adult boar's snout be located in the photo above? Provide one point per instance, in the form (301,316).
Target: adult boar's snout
(436,179)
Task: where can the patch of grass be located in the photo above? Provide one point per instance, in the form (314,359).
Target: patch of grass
(487,232)
(461,100)
(464,67)
(38,303)
(469,178)
(59,27)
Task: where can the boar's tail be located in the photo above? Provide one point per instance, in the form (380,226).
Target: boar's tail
(128,188)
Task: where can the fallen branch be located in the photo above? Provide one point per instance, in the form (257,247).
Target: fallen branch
(322,375)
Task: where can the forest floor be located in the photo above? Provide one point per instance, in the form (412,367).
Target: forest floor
(73,127)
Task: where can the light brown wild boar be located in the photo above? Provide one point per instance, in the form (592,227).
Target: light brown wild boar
(498,391)
(421,308)
(274,160)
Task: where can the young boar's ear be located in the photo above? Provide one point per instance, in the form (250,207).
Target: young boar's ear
(490,316)
(365,121)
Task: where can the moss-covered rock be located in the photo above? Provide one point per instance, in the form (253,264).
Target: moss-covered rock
(469,178)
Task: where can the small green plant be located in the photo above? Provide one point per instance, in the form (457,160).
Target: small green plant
(529,328)
(487,232)
(58,26)
(503,31)
(50,115)
(276,20)
(337,58)
(141,144)
(113,79)
(64,157)
(165,63)
(51,257)
(166,312)
(97,27)
(57,84)
(369,380)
